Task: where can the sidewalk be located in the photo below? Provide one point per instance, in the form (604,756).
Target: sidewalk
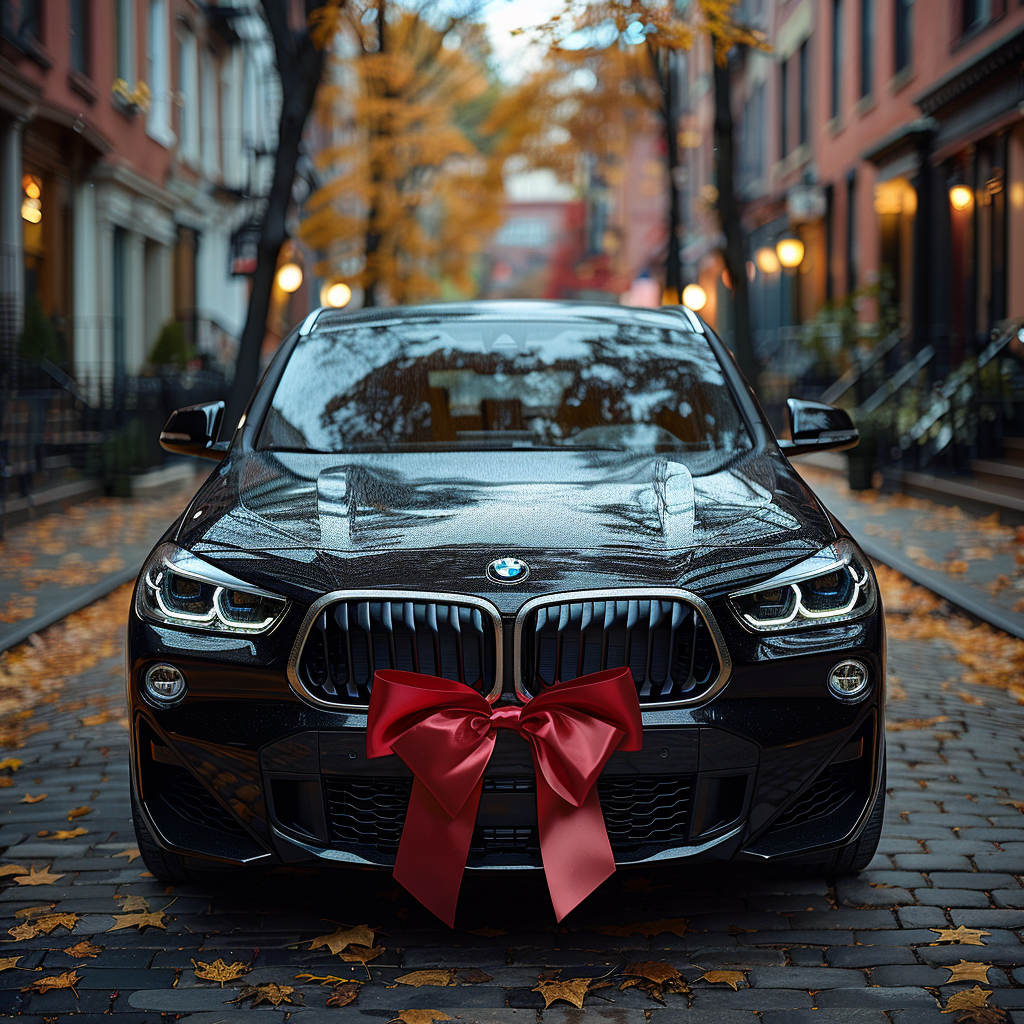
(972,561)
(55,564)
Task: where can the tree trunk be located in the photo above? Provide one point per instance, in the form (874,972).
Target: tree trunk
(673,262)
(373,239)
(734,252)
(299,65)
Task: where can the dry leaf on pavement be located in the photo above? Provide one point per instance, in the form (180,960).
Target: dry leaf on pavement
(69,979)
(68,833)
(7,962)
(47,922)
(967,970)
(970,998)
(84,949)
(35,877)
(730,978)
(268,992)
(28,799)
(140,921)
(10,763)
(677,926)
(21,932)
(220,971)
(131,853)
(133,903)
(441,978)
(419,1017)
(571,991)
(345,993)
(361,954)
(1018,804)
(324,979)
(967,936)
(13,869)
(653,970)
(78,812)
(361,935)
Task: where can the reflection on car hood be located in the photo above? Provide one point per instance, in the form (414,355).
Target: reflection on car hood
(508,500)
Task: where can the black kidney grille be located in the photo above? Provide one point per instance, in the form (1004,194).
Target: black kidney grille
(350,640)
(665,643)
(822,797)
(638,810)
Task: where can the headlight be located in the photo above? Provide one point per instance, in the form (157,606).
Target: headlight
(179,589)
(830,587)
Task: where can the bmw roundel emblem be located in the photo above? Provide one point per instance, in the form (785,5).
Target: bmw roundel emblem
(507,570)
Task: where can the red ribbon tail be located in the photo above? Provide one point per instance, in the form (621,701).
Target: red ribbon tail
(573,845)
(434,848)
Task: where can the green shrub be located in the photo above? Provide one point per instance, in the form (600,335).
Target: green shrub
(39,340)
(172,347)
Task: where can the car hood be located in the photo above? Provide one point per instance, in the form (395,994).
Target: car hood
(642,507)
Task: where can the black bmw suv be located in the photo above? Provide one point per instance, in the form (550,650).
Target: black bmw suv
(511,495)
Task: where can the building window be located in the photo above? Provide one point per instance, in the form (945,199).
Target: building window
(783,109)
(125,27)
(80,36)
(837,56)
(804,92)
(867,46)
(976,13)
(23,20)
(188,91)
(851,232)
(904,10)
(158,123)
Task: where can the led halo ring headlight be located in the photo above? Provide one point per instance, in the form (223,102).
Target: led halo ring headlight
(849,680)
(179,589)
(831,587)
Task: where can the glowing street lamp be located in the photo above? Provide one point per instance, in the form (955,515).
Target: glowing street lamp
(960,197)
(694,297)
(289,277)
(790,251)
(336,294)
(766,259)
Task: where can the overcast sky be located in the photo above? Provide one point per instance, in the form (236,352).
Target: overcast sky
(515,55)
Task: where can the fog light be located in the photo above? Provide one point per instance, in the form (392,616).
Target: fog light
(849,680)
(164,684)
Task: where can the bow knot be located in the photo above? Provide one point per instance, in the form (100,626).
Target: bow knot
(444,731)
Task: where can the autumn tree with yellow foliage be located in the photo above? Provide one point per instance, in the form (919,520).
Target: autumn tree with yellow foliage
(411,170)
(609,72)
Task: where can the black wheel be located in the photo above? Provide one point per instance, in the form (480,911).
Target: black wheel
(856,856)
(168,867)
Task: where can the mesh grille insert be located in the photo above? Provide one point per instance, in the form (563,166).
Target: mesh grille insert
(351,639)
(638,810)
(665,642)
(822,797)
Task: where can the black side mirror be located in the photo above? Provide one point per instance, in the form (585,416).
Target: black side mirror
(816,427)
(194,430)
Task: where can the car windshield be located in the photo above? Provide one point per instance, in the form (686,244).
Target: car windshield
(474,382)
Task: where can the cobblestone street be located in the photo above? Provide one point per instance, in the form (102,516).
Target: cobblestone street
(806,949)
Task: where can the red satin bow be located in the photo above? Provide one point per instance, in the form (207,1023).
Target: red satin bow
(444,731)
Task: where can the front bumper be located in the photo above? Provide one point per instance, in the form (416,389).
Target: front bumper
(773,767)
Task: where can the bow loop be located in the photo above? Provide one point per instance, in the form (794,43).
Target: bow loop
(445,733)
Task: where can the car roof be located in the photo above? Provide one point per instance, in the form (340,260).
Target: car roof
(327,318)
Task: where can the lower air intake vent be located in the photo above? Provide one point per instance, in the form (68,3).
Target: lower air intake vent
(822,797)
(665,642)
(349,640)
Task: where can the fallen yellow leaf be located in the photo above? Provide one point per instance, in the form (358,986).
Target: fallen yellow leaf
(361,935)
(730,978)
(968,971)
(571,991)
(967,936)
(419,1017)
(35,877)
(12,764)
(7,962)
(69,979)
(78,812)
(269,992)
(971,998)
(901,725)
(653,970)
(132,903)
(140,921)
(220,971)
(131,853)
(28,799)
(361,954)
(440,978)
(84,949)
(13,869)
(345,993)
(68,833)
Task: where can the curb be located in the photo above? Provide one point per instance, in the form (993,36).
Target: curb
(105,586)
